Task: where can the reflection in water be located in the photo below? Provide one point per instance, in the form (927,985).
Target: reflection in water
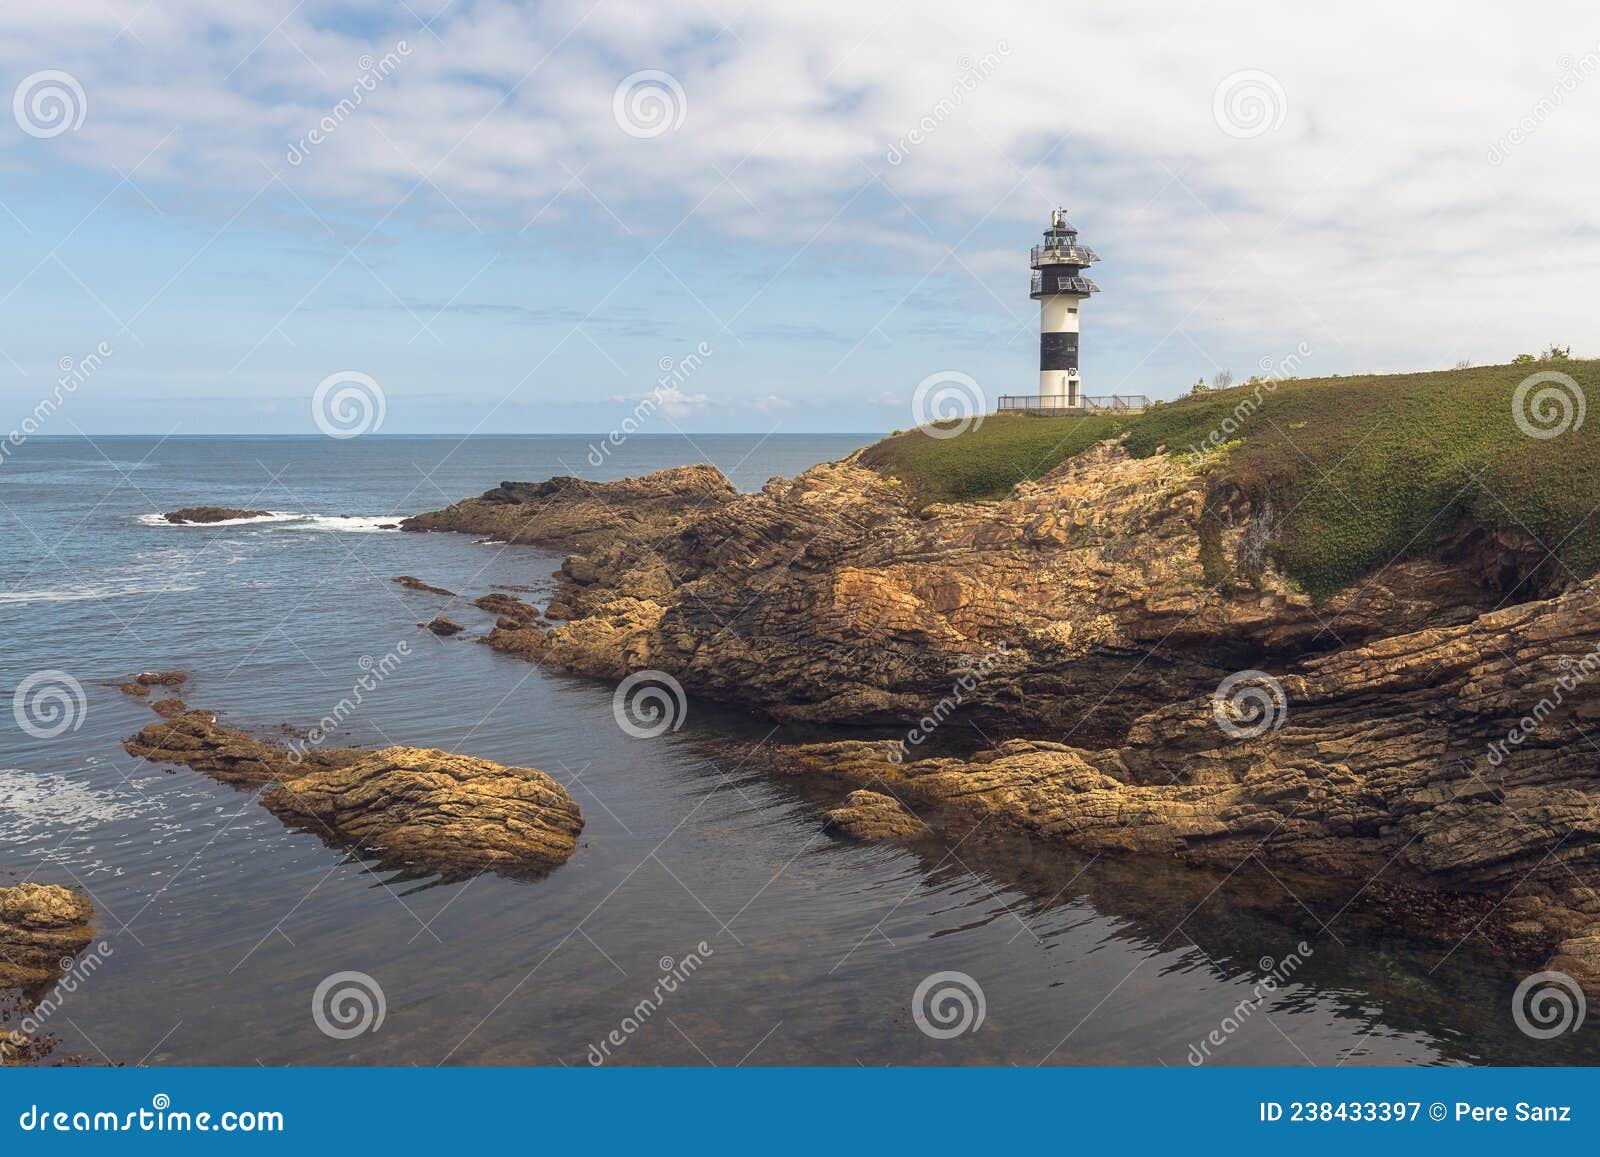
(225,922)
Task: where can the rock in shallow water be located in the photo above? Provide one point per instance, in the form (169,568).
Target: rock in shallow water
(871,815)
(431,809)
(42,927)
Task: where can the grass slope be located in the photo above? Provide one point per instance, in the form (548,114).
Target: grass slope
(1366,469)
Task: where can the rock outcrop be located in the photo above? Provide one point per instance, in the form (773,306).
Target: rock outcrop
(424,808)
(1107,588)
(871,815)
(442,626)
(572,512)
(42,927)
(208,514)
(1449,760)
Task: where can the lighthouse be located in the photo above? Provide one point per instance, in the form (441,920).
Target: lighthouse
(1060,288)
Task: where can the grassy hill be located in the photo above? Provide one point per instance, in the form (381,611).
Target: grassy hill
(1365,468)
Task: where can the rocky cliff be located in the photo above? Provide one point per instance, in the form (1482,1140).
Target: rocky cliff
(1169,691)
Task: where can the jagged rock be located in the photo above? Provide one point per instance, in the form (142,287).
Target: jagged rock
(1084,596)
(513,612)
(413,583)
(1391,762)
(207,514)
(573,512)
(422,807)
(142,683)
(871,815)
(442,626)
(42,927)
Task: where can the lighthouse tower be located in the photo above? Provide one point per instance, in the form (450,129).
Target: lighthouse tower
(1060,289)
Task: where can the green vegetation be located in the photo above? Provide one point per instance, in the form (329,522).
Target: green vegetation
(1365,469)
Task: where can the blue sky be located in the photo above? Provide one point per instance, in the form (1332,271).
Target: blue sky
(838,203)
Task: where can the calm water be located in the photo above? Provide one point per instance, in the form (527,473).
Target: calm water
(222,922)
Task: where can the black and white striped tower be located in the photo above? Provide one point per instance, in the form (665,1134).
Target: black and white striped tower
(1060,287)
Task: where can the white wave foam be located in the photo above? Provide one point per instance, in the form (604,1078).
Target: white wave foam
(82,594)
(271,516)
(350,523)
(292,520)
(28,800)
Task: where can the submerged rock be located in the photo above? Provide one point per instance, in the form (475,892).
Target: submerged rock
(431,809)
(411,582)
(142,683)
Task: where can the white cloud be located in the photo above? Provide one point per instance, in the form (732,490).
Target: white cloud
(1370,219)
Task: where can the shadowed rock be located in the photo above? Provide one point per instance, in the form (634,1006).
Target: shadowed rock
(442,626)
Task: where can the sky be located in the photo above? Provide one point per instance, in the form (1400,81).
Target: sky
(485,217)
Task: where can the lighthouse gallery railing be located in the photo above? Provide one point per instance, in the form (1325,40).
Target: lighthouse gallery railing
(1082,403)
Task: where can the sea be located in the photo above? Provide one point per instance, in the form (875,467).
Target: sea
(706,917)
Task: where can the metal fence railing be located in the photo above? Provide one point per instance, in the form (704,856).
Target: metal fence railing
(1083,403)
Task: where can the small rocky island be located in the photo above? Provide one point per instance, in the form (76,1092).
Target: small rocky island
(419,808)
(1417,672)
